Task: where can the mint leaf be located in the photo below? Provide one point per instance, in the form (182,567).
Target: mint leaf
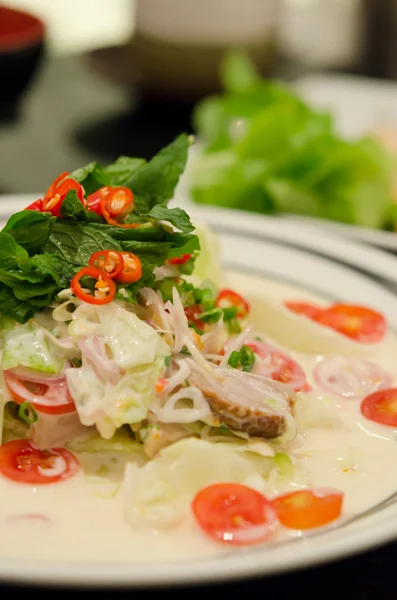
(155,182)
(30,229)
(72,208)
(176,216)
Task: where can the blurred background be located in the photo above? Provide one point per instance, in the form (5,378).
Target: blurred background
(93,79)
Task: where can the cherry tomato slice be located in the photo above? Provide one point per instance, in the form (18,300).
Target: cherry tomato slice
(105,288)
(57,192)
(303,308)
(132,269)
(50,398)
(234,514)
(381,407)
(278,366)
(181,260)
(230,299)
(110,262)
(36,205)
(307,509)
(21,462)
(357,322)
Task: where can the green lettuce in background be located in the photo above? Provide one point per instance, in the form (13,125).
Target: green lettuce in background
(265,150)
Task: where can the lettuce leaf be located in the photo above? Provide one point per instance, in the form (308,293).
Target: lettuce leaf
(265,150)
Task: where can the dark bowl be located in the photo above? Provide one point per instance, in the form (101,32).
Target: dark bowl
(21,48)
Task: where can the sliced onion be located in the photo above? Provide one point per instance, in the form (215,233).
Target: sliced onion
(56,394)
(31,517)
(350,377)
(170,414)
(178,378)
(37,377)
(93,348)
(58,466)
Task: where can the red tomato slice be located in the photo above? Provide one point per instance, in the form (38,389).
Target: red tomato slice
(357,322)
(303,308)
(307,509)
(381,407)
(50,398)
(350,377)
(278,366)
(234,514)
(20,461)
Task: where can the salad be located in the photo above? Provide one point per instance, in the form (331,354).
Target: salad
(265,150)
(111,344)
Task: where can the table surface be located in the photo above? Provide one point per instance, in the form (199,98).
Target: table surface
(71,116)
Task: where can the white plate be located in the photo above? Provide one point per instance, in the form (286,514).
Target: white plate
(318,260)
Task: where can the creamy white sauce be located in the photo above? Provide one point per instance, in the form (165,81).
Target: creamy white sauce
(84,515)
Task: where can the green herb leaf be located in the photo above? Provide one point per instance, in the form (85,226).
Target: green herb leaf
(74,242)
(155,182)
(72,208)
(176,216)
(30,229)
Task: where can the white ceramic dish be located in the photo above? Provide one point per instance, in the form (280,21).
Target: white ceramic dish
(312,259)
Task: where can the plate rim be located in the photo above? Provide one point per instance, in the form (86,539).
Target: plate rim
(231,567)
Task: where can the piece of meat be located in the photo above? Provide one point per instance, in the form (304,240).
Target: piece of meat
(257,406)
(254,420)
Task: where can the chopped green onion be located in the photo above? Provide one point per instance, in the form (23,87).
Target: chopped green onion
(167,360)
(283,463)
(247,358)
(27,413)
(233,326)
(259,339)
(229,313)
(76,362)
(234,359)
(211,316)
(166,286)
(188,267)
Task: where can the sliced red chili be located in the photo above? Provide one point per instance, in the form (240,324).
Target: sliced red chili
(105,288)
(94,202)
(36,205)
(132,269)
(109,219)
(230,299)
(57,192)
(193,316)
(109,261)
(181,260)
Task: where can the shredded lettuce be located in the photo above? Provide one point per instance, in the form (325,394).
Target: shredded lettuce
(265,150)
(158,494)
(28,346)
(122,442)
(133,349)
